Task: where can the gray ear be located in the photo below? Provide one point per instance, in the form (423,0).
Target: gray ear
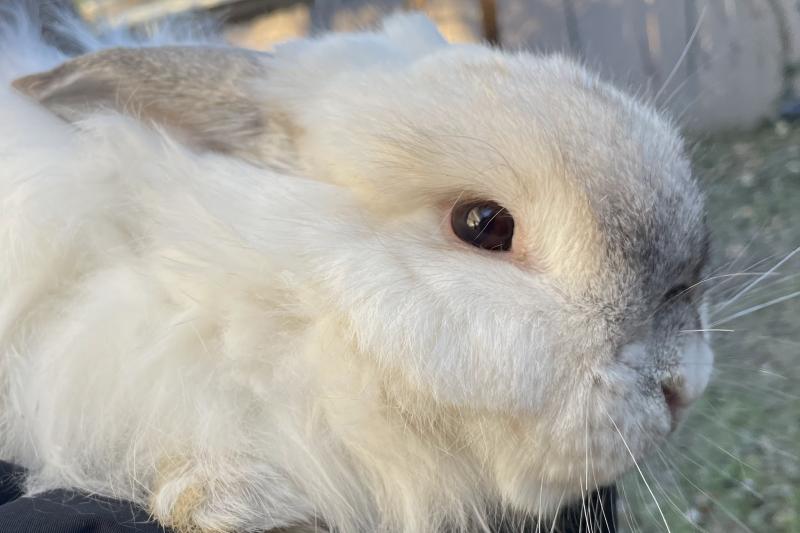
(205,94)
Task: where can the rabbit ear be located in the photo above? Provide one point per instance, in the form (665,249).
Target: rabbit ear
(205,94)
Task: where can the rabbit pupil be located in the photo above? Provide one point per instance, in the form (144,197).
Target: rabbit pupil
(483,224)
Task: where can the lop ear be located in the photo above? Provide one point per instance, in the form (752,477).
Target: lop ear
(204,94)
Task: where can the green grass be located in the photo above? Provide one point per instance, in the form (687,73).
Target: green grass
(735,464)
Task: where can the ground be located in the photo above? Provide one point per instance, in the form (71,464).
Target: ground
(735,464)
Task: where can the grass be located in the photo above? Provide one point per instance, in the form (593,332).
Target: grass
(735,464)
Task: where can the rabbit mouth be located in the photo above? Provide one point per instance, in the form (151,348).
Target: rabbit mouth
(676,404)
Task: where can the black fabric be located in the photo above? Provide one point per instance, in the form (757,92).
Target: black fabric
(596,514)
(10,481)
(66,512)
(63,511)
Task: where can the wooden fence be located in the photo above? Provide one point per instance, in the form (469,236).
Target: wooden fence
(714,64)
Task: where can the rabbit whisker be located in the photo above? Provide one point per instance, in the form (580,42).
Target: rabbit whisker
(755,308)
(758,280)
(638,468)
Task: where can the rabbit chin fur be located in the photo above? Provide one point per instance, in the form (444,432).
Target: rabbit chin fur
(242,345)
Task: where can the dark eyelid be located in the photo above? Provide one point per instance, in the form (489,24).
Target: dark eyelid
(676,292)
(701,262)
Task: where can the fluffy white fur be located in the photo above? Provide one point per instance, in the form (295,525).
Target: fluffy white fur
(239,349)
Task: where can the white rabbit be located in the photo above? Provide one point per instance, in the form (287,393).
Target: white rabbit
(370,282)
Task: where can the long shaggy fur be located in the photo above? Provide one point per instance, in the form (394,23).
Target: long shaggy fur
(246,342)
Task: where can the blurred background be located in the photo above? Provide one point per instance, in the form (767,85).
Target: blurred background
(727,71)
(689,53)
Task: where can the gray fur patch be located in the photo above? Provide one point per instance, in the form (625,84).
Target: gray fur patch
(207,95)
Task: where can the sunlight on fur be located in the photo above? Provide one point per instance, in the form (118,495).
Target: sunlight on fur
(228,293)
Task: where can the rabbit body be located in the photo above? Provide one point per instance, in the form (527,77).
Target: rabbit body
(261,319)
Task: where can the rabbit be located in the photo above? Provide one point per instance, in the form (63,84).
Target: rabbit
(364,282)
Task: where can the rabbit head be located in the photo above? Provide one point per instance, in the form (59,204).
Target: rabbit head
(542,239)
(517,265)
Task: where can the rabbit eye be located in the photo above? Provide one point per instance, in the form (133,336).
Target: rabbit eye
(483,224)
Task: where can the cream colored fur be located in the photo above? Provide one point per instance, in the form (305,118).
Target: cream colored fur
(240,348)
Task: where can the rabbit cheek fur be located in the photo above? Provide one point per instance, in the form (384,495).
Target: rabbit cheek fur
(243,341)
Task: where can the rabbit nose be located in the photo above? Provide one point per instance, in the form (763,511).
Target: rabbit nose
(681,388)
